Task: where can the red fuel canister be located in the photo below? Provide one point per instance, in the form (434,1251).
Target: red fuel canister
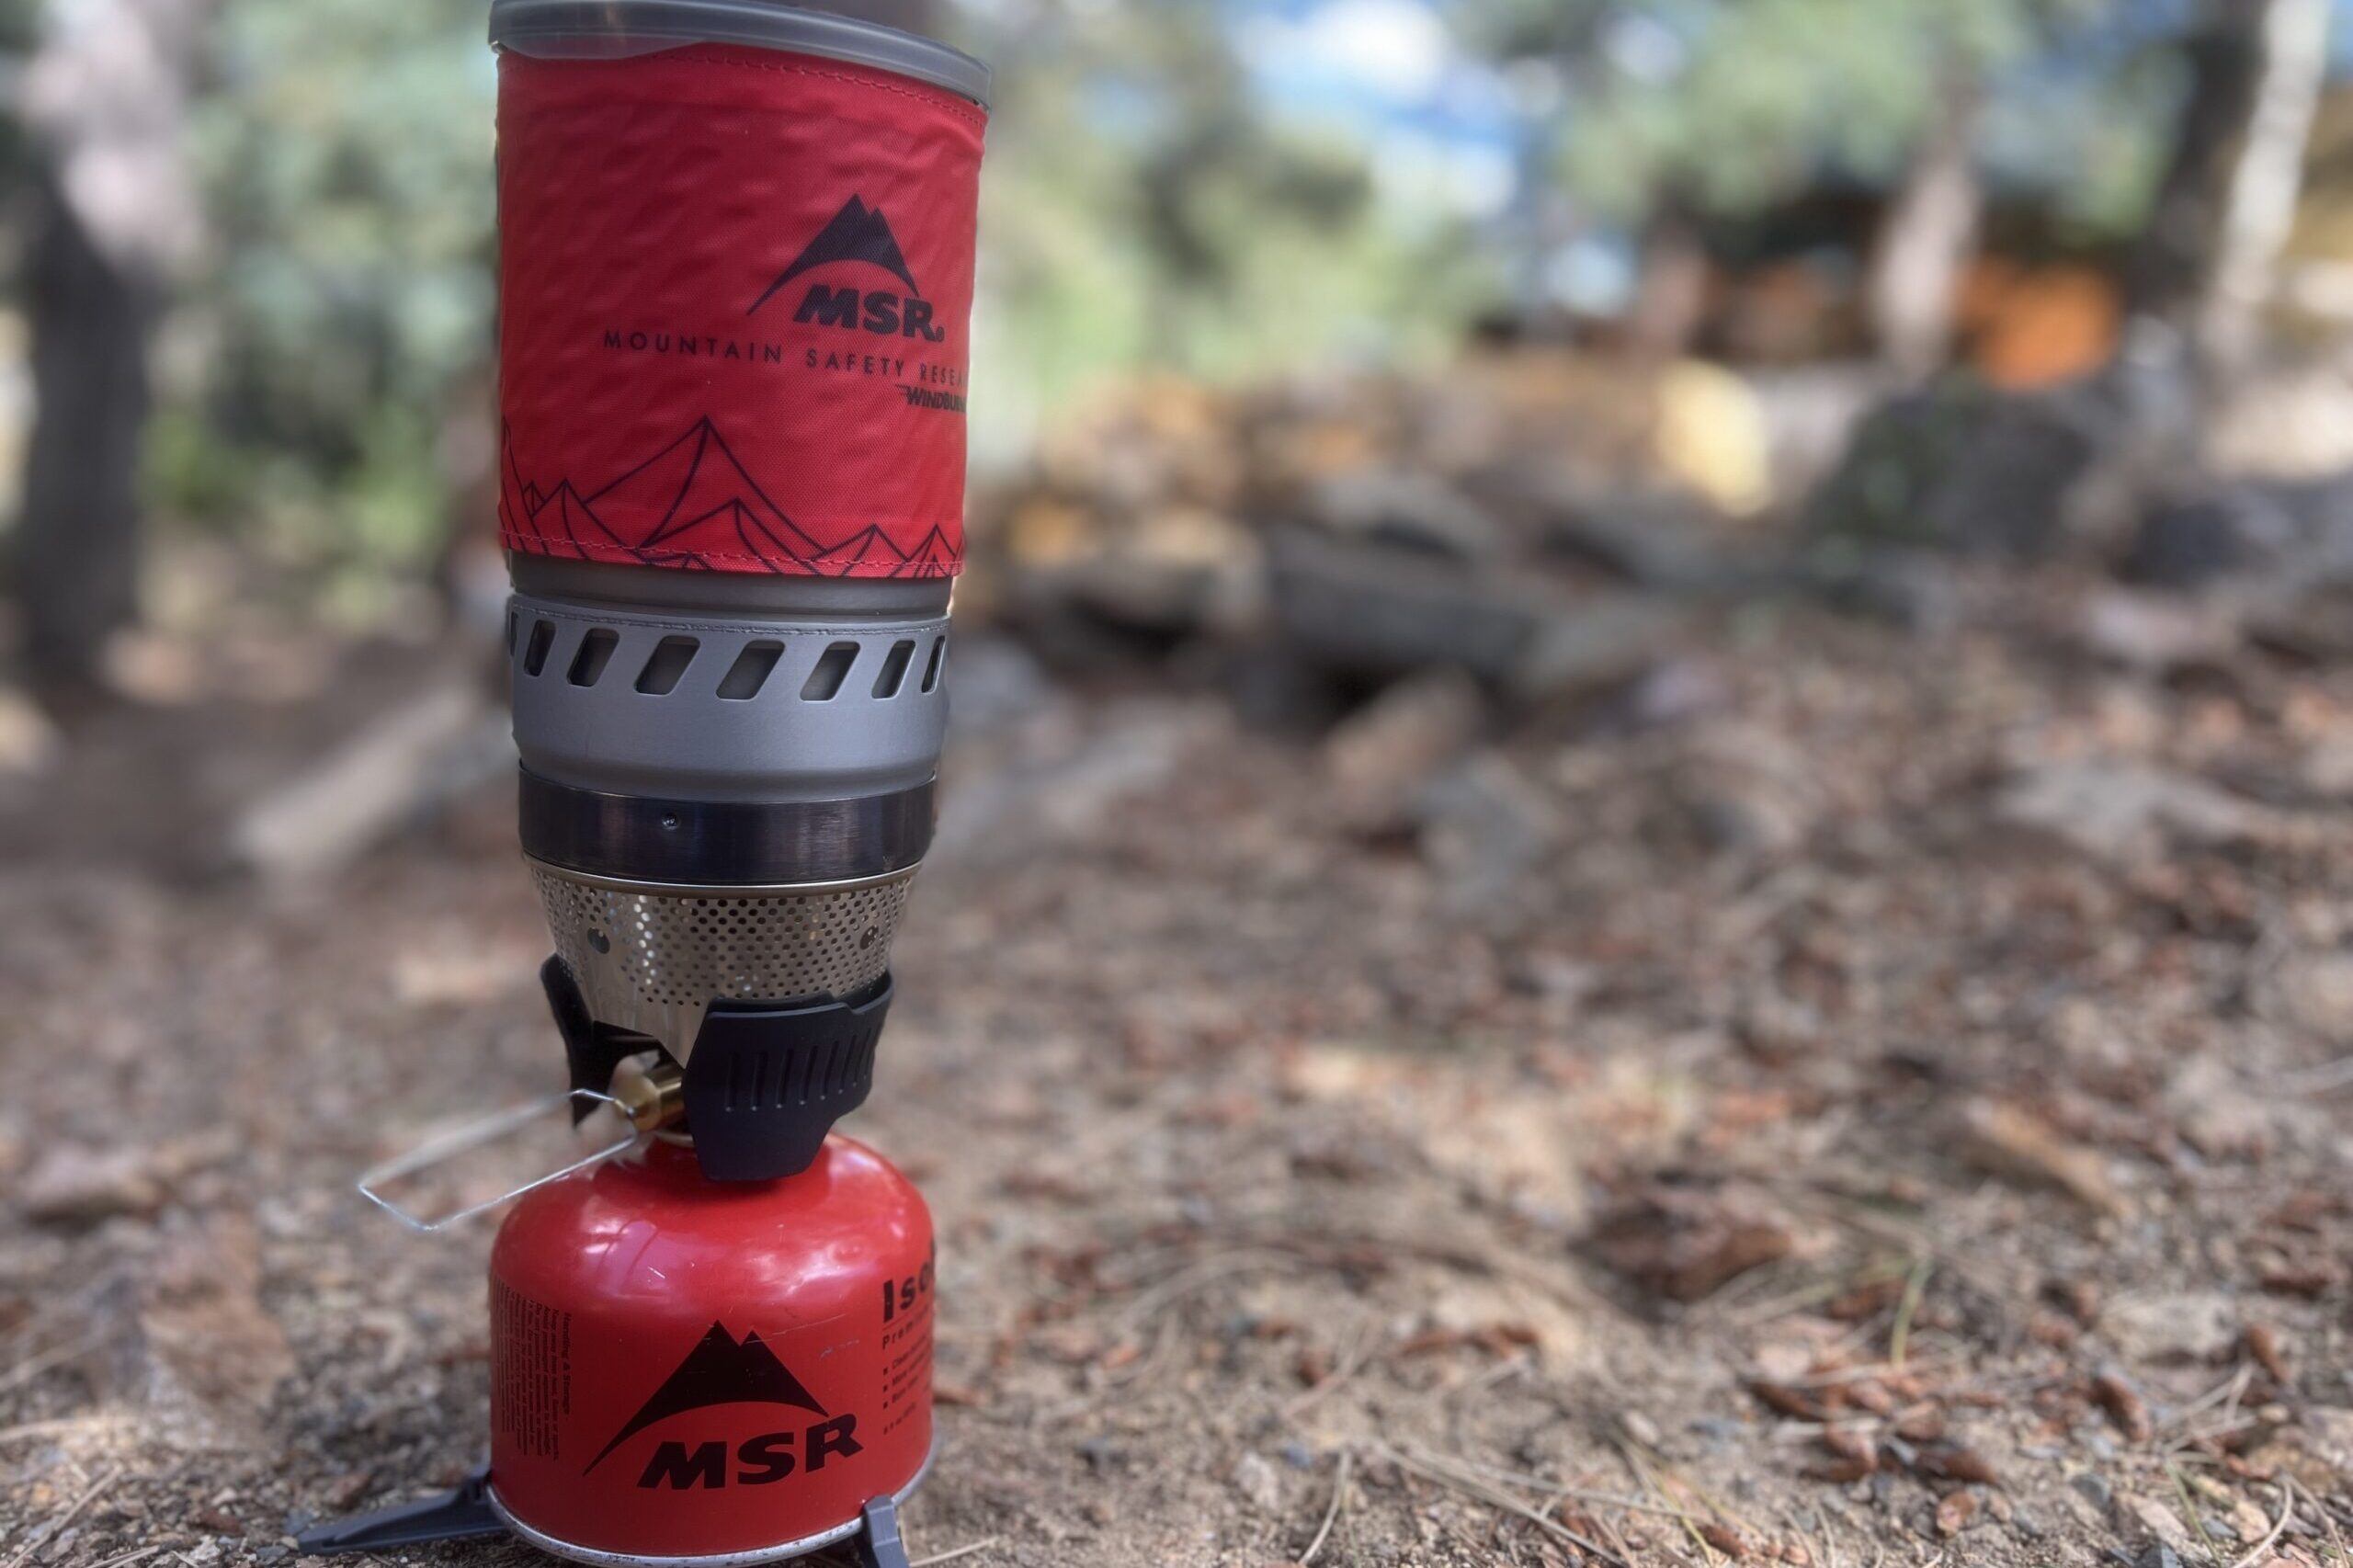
(684,1369)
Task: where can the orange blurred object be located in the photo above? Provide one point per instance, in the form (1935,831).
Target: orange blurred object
(2034,326)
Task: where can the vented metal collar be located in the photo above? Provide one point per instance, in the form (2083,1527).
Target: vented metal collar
(689,704)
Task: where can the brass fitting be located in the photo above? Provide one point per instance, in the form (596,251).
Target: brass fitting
(651,1098)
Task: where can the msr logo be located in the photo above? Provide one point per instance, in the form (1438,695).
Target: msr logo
(858,234)
(759,1461)
(720,1371)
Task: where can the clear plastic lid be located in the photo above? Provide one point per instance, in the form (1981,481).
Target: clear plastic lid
(608,30)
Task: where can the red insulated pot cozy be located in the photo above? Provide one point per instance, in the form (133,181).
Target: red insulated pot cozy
(735,292)
(683,1368)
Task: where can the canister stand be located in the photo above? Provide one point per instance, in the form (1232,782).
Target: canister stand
(465,1512)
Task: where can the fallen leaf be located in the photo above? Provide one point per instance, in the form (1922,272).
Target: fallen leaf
(1952,1463)
(349,1489)
(2162,1524)
(2012,1143)
(2124,1406)
(1841,1470)
(1687,1242)
(1920,1424)
(2080,1298)
(70,1184)
(2264,1346)
(1853,1455)
(1796,1404)
(2308,1280)
(203,1319)
(1724,1538)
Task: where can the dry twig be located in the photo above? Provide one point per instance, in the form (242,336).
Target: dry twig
(1446,1475)
(1548,1487)
(124,1559)
(35,1364)
(1643,1474)
(2263,1547)
(2189,1506)
(1359,1354)
(59,1427)
(1915,1285)
(67,1517)
(1330,1511)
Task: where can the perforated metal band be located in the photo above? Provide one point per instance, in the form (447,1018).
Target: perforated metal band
(650,959)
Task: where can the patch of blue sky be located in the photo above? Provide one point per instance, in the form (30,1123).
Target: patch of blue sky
(1388,73)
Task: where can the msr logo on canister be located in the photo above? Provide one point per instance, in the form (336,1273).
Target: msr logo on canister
(737,286)
(722,1369)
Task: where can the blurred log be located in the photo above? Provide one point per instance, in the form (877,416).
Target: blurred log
(444,739)
(1359,609)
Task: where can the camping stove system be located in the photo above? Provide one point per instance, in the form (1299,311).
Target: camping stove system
(737,278)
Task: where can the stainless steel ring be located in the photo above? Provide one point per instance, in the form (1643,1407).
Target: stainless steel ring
(733,843)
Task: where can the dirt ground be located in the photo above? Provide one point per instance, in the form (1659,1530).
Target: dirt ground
(1879,1099)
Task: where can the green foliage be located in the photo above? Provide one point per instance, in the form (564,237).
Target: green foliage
(1727,105)
(2096,143)
(1142,209)
(346,161)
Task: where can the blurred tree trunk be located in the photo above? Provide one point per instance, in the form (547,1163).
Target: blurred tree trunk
(2259,205)
(105,100)
(1925,241)
(2170,264)
(77,567)
(1671,292)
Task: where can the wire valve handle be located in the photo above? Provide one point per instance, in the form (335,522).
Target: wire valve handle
(479,1135)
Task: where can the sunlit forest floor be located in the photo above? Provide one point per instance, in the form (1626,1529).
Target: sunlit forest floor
(1833,1089)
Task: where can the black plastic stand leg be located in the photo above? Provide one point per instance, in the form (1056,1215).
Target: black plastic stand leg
(452,1515)
(878,1546)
